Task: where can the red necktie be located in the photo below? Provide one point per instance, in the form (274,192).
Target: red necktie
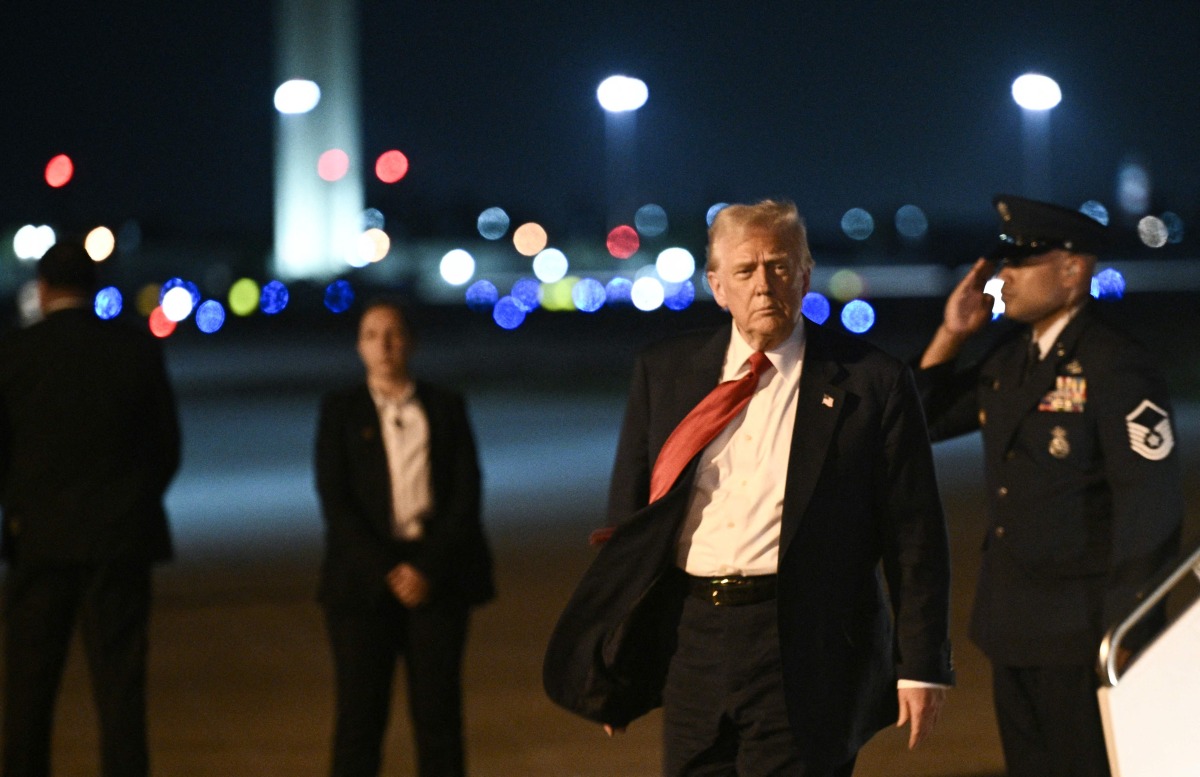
(703,423)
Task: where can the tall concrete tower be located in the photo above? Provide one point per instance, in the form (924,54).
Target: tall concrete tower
(317,222)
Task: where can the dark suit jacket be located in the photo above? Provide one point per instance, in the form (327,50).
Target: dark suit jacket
(1078,519)
(353,485)
(860,491)
(89,442)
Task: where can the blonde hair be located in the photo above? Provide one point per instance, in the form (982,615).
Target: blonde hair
(780,218)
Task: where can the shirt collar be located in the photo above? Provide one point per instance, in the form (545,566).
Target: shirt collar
(383,399)
(784,357)
(1047,339)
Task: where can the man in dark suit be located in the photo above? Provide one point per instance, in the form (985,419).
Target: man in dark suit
(89,442)
(748,599)
(1084,494)
(405,554)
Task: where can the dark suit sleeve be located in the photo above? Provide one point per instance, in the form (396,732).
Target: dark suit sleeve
(948,396)
(629,488)
(1146,487)
(350,535)
(916,549)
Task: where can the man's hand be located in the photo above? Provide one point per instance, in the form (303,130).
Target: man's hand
(408,585)
(920,707)
(610,730)
(967,310)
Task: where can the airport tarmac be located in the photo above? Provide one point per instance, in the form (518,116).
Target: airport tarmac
(240,674)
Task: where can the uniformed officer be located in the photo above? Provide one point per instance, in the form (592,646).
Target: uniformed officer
(1084,493)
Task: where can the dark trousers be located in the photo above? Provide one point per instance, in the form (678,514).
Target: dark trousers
(724,713)
(1050,721)
(366,645)
(111,603)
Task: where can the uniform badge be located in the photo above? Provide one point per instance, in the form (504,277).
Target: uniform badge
(982,417)
(1069,395)
(827,401)
(1150,433)
(1060,448)
(1073,367)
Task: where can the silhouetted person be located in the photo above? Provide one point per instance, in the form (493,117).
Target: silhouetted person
(89,442)
(1084,493)
(405,554)
(743,585)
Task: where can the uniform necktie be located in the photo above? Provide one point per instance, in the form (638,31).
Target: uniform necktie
(1033,355)
(703,423)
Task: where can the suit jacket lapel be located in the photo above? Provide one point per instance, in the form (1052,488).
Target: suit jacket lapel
(818,407)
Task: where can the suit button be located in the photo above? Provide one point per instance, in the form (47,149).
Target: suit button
(1010,455)
(1002,491)
(999,532)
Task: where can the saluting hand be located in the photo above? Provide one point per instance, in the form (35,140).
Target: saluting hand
(968,308)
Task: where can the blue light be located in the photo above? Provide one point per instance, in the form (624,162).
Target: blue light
(618,291)
(525,293)
(588,295)
(1095,210)
(858,316)
(108,303)
(858,224)
(816,307)
(508,313)
(339,296)
(210,316)
(1108,284)
(192,289)
(650,220)
(481,296)
(713,211)
(274,298)
(681,297)
(493,223)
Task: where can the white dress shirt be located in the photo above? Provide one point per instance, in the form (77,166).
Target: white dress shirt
(732,524)
(405,431)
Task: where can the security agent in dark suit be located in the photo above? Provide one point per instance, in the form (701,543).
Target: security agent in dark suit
(1083,481)
(405,554)
(89,442)
(749,600)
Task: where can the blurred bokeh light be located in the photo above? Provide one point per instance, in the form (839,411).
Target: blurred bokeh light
(482,295)
(680,296)
(333,165)
(623,241)
(492,223)
(298,95)
(243,296)
(339,296)
(457,267)
(550,265)
(210,316)
(619,94)
(618,291)
(391,166)
(647,293)
(507,313)
(816,307)
(911,222)
(1108,284)
(30,241)
(274,298)
(650,220)
(1152,231)
(1036,92)
(858,224)
(108,303)
(588,295)
(526,292)
(675,265)
(846,284)
(160,325)
(1095,210)
(100,243)
(858,316)
(529,238)
(59,171)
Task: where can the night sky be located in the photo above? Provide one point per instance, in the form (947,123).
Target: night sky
(166,106)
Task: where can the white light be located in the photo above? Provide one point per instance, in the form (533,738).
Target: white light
(993,287)
(177,304)
(457,267)
(1035,92)
(31,242)
(647,294)
(297,96)
(618,94)
(550,265)
(675,265)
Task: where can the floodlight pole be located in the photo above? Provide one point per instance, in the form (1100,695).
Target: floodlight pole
(317,222)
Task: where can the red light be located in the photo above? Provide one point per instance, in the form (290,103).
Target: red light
(623,241)
(160,325)
(59,171)
(333,164)
(391,166)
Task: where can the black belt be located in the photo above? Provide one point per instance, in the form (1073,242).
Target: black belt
(732,590)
